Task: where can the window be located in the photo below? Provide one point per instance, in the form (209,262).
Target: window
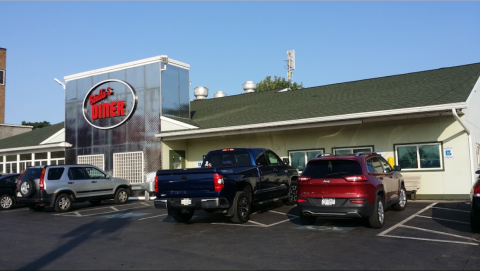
(260,158)
(274,159)
(2,77)
(378,165)
(419,156)
(55,173)
(97,160)
(129,166)
(95,173)
(348,150)
(298,159)
(76,173)
(332,168)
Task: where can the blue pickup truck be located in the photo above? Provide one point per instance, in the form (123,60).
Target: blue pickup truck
(229,181)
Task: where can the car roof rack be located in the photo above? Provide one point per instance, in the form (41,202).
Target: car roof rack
(323,154)
(364,153)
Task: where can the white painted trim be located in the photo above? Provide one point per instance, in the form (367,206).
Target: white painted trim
(127,65)
(52,137)
(32,148)
(183,124)
(304,123)
(14,125)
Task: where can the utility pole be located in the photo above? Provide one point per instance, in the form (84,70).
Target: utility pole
(290,66)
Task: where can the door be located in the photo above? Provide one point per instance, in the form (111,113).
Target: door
(177,159)
(100,185)
(78,182)
(393,181)
(280,179)
(376,168)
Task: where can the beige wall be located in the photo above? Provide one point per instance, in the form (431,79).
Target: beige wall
(453,180)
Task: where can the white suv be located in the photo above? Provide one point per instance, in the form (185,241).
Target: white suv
(60,185)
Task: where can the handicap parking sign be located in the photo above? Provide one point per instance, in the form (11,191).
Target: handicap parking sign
(448,153)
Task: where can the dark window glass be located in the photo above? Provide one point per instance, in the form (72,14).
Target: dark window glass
(273,159)
(57,154)
(332,169)
(25,156)
(41,155)
(32,173)
(227,159)
(76,173)
(55,173)
(11,158)
(2,77)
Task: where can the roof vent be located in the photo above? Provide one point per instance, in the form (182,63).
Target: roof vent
(219,94)
(200,93)
(249,87)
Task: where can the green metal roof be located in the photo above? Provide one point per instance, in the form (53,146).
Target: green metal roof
(31,138)
(417,89)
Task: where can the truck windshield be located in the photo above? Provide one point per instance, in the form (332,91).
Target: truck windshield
(227,159)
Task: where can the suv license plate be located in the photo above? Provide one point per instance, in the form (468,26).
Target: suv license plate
(328,201)
(186,201)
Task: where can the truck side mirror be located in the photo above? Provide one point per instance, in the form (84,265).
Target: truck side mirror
(397,168)
(286,161)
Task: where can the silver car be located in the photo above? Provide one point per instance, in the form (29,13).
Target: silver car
(60,185)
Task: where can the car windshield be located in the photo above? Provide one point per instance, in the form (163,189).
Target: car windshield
(332,168)
(227,159)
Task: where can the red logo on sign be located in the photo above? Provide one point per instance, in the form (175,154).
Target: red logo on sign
(105,110)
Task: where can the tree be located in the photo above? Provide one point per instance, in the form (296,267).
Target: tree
(276,83)
(36,124)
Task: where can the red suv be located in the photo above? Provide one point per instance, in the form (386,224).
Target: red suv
(350,186)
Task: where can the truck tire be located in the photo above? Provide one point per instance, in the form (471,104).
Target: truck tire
(241,209)
(292,195)
(121,197)
(183,215)
(63,203)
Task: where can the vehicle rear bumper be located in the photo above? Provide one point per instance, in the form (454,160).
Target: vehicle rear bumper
(475,205)
(39,198)
(342,208)
(196,203)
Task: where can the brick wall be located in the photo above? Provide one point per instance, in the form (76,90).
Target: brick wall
(3,66)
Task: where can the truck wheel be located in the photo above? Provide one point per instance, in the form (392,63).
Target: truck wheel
(6,201)
(402,200)
(377,219)
(183,215)
(63,203)
(241,210)
(292,195)
(121,196)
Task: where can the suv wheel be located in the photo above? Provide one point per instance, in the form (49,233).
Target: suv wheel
(63,203)
(121,196)
(36,207)
(292,195)
(241,212)
(27,187)
(6,201)
(183,215)
(377,219)
(402,200)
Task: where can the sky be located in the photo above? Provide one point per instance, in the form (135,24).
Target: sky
(227,43)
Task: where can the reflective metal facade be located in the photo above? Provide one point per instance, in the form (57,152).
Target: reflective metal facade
(159,92)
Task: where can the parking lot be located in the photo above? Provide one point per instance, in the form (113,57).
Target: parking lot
(427,235)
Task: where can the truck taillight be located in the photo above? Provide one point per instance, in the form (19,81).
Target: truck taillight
(218,182)
(41,183)
(156,184)
(356,178)
(476,189)
(228,149)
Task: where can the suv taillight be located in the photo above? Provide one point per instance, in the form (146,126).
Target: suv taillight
(303,179)
(156,184)
(41,183)
(356,178)
(20,177)
(476,189)
(218,182)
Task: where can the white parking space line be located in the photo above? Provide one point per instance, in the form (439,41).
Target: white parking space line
(439,232)
(112,211)
(15,210)
(113,208)
(443,219)
(280,222)
(450,209)
(100,208)
(280,213)
(383,233)
(257,223)
(433,240)
(152,217)
(232,224)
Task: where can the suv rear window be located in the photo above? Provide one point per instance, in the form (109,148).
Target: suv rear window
(32,173)
(227,159)
(55,173)
(332,168)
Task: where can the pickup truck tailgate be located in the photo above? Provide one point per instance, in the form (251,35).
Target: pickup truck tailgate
(191,182)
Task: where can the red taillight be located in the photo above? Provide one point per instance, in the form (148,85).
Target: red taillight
(303,179)
(476,189)
(301,200)
(156,184)
(357,178)
(41,183)
(19,177)
(218,182)
(357,201)
(228,149)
